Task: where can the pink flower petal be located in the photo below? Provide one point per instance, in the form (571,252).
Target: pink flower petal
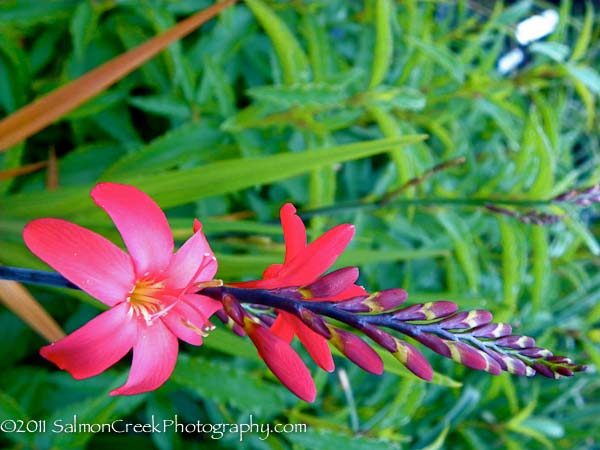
(154,358)
(283,361)
(188,318)
(96,346)
(269,281)
(294,232)
(272,271)
(319,256)
(207,306)
(315,344)
(282,327)
(193,259)
(142,224)
(85,258)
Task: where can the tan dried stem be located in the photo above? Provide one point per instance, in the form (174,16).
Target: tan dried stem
(18,300)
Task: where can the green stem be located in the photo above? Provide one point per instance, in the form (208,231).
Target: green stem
(431,201)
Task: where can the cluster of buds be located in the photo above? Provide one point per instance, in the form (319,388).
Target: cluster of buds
(578,197)
(469,338)
(581,197)
(530,217)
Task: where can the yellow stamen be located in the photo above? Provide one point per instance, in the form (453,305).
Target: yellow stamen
(194,328)
(144,299)
(207,284)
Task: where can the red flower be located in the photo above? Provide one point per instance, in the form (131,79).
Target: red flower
(149,290)
(304,264)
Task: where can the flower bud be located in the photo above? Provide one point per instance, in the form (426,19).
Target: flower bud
(425,311)
(356,350)
(332,284)
(516,341)
(466,319)
(314,322)
(492,330)
(413,359)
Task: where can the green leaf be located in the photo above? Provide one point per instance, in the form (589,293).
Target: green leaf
(384,43)
(222,382)
(326,439)
(511,267)
(585,35)
(439,441)
(301,95)
(553,50)
(541,267)
(402,98)
(548,427)
(292,58)
(162,106)
(168,150)
(10,413)
(443,57)
(229,343)
(30,12)
(463,247)
(83,27)
(99,409)
(184,186)
(586,75)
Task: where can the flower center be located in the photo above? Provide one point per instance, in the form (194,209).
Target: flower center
(144,299)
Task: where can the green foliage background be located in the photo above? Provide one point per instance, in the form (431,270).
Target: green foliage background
(321,103)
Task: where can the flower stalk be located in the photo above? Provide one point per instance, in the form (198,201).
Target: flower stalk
(468,337)
(157,297)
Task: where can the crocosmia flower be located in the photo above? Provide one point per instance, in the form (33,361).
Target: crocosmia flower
(150,291)
(304,264)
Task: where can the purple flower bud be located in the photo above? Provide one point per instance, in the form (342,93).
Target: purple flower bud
(356,350)
(413,360)
(467,319)
(471,357)
(544,370)
(435,343)
(377,302)
(386,300)
(425,311)
(536,352)
(222,316)
(564,371)
(332,284)
(492,330)
(354,305)
(314,322)
(233,309)
(266,319)
(559,359)
(238,330)
(511,364)
(384,339)
(516,341)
